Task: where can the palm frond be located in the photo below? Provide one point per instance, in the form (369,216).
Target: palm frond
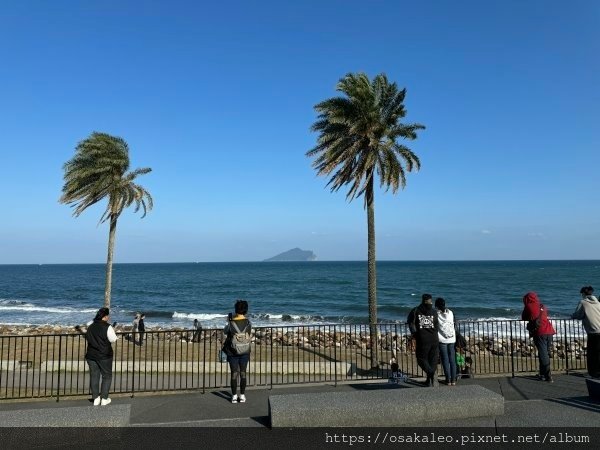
(358,133)
(98,171)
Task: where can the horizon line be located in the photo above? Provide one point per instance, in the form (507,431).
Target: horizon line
(308,262)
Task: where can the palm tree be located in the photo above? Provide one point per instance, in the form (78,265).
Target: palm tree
(99,170)
(358,138)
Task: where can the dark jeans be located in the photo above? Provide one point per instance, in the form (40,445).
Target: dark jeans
(593,354)
(427,357)
(238,365)
(543,344)
(141,341)
(448,357)
(97,368)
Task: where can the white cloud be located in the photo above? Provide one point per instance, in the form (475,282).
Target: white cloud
(537,235)
(486,232)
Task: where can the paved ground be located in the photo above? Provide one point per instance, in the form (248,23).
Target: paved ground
(529,402)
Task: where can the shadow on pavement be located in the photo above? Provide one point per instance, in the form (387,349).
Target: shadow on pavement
(585,403)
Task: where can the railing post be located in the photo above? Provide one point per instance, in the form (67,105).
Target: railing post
(59,361)
(512,352)
(271,369)
(133,369)
(565,351)
(2,359)
(203,332)
(335,361)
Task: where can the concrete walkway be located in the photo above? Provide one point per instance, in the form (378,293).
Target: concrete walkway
(528,403)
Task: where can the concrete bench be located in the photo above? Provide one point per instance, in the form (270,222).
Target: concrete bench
(593,387)
(80,416)
(383,407)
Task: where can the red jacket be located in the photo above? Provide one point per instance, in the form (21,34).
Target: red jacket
(532,311)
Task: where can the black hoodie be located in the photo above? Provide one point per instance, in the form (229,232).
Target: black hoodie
(423,323)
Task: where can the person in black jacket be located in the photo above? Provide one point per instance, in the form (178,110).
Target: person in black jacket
(99,356)
(141,329)
(423,324)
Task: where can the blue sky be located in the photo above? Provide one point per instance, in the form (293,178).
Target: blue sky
(218,101)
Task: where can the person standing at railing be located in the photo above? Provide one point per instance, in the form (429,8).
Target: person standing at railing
(423,324)
(197,331)
(134,326)
(237,348)
(99,356)
(588,311)
(141,329)
(447,337)
(541,330)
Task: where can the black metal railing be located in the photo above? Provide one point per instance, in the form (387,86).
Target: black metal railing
(54,365)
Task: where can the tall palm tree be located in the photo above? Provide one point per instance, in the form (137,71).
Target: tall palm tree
(358,138)
(99,170)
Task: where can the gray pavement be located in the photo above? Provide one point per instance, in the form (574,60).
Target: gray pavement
(528,402)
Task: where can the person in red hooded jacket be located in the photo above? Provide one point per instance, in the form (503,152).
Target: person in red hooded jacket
(542,332)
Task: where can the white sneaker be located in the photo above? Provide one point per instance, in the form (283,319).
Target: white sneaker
(242,398)
(105,401)
(234,399)
(97,401)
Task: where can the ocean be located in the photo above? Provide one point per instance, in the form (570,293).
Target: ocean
(286,293)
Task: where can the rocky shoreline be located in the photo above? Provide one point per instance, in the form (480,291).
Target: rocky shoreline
(312,338)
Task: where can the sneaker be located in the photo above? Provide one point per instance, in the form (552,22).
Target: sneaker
(549,379)
(234,399)
(105,401)
(540,377)
(97,401)
(242,398)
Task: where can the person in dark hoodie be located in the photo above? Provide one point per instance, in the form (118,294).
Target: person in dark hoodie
(141,329)
(588,310)
(541,330)
(99,356)
(423,324)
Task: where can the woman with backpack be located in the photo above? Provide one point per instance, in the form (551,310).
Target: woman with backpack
(541,330)
(447,338)
(237,348)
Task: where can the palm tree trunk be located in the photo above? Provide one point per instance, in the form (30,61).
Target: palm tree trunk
(109,260)
(371,272)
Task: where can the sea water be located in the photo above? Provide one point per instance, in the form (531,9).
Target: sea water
(286,293)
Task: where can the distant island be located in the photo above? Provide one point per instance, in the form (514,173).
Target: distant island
(294,254)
